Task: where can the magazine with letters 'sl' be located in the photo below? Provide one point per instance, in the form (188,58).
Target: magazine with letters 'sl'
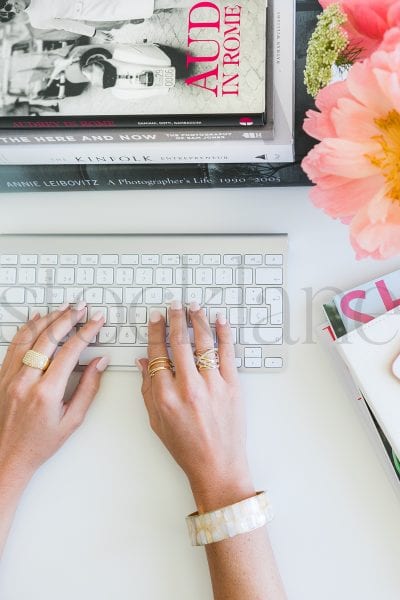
(153,63)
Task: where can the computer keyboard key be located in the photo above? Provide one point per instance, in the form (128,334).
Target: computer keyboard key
(254,295)
(214,312)
(68,259)
(274,362)
(108,335)
(232,259)
(28,259)
(26,276)
(159,309)
(170,259)
(172,294)
(109,259)
(213,295)
(183,276)
(253,363)
(211,259)
(259,316)
(164,276)
(191,259)
(12,295)
(234,295)
(269,276)
(253,259)
(34,295)
(261,336)
(138,315)
(143,336)
(153,295)
(223,276)
(113,295)
(117,315)
(85,276)
(49,259)
(274,297)
(274,259)
(124,276)
(127,335)
(73,295)
(150,259)
(238,362)
(8,259)
(7,333)
(96,309)
(204,276)
(105,276)
(238,316)
(65,276)
(133,295)
(244,276)
(253,352)
(13,314)
(94,295)
(194,295)
(54,295)
(144,276)
(46,276)
(89,259)
(119,356)
(8,275)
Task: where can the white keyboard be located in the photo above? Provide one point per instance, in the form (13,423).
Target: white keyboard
(127,277)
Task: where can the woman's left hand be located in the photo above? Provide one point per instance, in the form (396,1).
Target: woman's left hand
(34,419)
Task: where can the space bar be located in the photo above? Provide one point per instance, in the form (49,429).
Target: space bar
(118,356)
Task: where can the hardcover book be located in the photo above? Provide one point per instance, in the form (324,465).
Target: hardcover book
(154,63)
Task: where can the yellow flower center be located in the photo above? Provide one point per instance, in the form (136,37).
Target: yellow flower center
(388,160)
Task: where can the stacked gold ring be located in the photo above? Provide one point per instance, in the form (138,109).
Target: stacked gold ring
(207,360)
(161,363)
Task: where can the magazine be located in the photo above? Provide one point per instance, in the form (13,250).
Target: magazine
(157,63)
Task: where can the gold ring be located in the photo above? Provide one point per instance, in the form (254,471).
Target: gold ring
(161,363)
(207,360)
(36,360)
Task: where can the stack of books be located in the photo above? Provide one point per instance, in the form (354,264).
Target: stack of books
(190,95)
(363,331)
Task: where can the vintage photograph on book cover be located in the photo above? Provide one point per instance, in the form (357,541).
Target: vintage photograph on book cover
(99,63)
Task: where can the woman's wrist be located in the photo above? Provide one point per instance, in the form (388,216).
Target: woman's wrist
(217,492)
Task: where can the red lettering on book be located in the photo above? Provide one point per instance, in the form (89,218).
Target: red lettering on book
(350,313)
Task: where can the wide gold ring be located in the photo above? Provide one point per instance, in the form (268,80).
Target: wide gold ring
(36,360)
(161,363)
(207,360)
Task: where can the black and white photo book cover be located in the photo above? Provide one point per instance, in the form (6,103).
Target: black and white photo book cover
(147,63)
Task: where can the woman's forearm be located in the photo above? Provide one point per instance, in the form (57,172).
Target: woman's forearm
(12,487)
(242,567)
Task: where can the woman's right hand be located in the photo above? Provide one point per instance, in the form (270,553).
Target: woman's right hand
(199,415)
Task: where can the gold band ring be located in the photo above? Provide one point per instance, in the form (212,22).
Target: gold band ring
(207,360)
(161,363)
(36,360)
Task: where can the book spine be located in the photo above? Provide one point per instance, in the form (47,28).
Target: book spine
(33,178)
(27,123)
(246,151)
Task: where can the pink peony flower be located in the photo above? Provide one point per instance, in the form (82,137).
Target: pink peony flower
(368,21)
(357,164)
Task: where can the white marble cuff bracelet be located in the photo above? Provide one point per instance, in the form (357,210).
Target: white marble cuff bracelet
(227,522)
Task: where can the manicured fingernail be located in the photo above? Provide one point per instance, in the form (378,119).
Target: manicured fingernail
(176,305)
(221,318)
(63,307)
(155,316)
(80,306)
(103,364)
(139,365)
(98,316)
(194,307)
(36,317)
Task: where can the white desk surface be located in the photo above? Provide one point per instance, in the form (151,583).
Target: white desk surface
(104,519)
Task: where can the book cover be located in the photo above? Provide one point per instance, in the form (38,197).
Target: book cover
(155,63)
(367,301)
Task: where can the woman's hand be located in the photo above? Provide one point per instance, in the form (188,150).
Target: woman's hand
(199,416)
(34,420)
